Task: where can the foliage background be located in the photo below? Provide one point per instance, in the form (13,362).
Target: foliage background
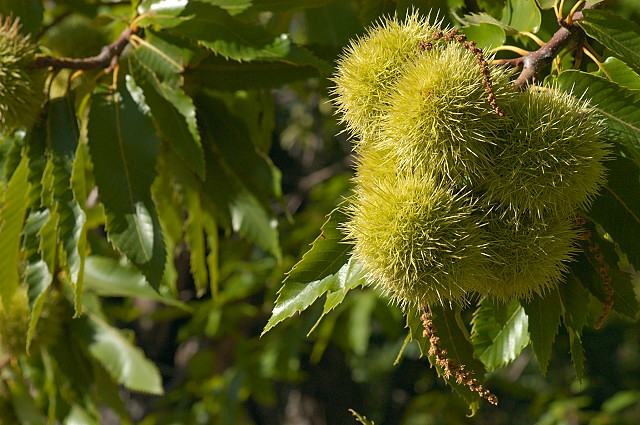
(216,165)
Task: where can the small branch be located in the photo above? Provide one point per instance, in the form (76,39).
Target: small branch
(107,58)
(569,34)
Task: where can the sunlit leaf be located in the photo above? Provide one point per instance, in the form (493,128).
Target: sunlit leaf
(615,103)
(544,313)
(350,275)
(499,332)
(63,136)
(172,110)
(313,276)
(108,278)
(620,73)
(125,362)
(619,34)
(124,148)
(484,18)
(12,215)
(522,15)
(486,35)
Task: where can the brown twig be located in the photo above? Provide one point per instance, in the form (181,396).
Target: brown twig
(107,58)
(532,63)
(449,366)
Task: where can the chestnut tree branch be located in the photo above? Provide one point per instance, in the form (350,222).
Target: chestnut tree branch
(107,58)
(569,35)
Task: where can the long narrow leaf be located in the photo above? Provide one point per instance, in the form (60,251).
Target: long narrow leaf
(620,35)
(12,214)
(124,148)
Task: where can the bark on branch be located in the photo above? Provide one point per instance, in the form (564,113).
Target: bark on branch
(569,35)
(107,58)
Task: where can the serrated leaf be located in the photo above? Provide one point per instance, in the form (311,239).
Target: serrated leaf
(617,207)
(125,362)
(574,298)
(124,148)
(615,103)
(455,340)
(12,215)
(195,239)
(41,243)
(350,275)
(231,143)
(485,18)
(249,218)
(287,5)
(620,73)
(231,38)
(522,15)
(63,136)
(499,332)
(172,110)
(107,278)
(486,35)
(577,352)
(312,276)
(619,34)
(544,319)
(624,299)
(218,73)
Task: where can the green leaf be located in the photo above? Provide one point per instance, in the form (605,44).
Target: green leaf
(12,215)
(125,362)
(278,6)
(620,73)
(229,140)
(522,15)
(577,353)
(615,103)
(231,38)
(574,298)
(624,299)
(172,110)
(218,73)
(544,319)
(314,274)
(63,136)
(249,218)
(124,148)
(40,240)
(484,18)
(620,35)
(486,35)
(499,332)
(350,275)
(195,239)
(617,208)
(107,278)
(546,4)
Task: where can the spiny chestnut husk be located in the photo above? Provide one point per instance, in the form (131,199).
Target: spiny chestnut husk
(438,115)
(548,160)
(21,85)
(15,323)
(370,66)
(420,241)
(454,195)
